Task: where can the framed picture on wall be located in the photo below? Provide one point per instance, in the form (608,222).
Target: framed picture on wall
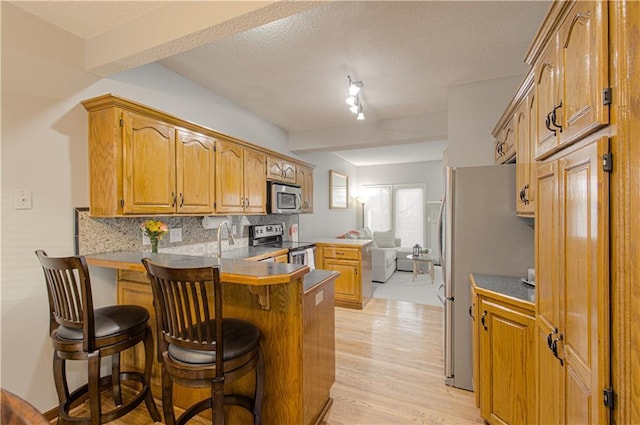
(338,189)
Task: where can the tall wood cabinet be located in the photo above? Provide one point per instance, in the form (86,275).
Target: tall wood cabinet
(241,186)
(572,260)
(566,109)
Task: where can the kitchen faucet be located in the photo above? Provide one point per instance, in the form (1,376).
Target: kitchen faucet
(229,234)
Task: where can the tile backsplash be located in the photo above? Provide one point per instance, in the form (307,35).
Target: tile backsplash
(96,235)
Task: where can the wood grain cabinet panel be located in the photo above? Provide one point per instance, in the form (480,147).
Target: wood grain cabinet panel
(305,181)
(281,170)
(571,78)
(241,186)
(195,172)
(572,283)
(353,288)
(507,363)
(149,165)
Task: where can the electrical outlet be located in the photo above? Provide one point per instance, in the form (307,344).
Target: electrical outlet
(145,240)
(175,235)
(234,230)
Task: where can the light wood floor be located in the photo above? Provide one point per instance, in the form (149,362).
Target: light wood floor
(389,366)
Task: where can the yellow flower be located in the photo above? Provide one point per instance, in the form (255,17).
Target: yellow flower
(154,229)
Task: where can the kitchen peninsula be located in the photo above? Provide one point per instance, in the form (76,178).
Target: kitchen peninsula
(293,307)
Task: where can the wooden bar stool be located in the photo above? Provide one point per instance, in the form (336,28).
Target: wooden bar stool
(78,332)
(198,347)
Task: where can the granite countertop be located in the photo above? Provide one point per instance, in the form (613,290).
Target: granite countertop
(237,266)
(508,286)
(231,270)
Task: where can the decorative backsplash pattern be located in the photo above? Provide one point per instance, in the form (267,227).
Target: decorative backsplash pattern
(96,235)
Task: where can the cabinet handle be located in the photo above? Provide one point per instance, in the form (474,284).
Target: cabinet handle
(554,348)
(499,148)
(471,313)
(553,116)
(547,123)
(484,325)
(550,339)
(242,201)
(247,199)
(173,197)
(523,195)
(181,200)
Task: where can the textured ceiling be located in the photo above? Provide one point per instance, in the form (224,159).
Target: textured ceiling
(293,71)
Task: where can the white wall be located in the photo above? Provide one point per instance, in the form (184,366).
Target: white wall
(474,110)
(430,173)
(44,150)
(326,222)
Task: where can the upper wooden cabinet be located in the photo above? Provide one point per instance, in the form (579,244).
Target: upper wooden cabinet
(195,172)
(280,170)
(142,165)
(525,166)
(515,135)
(241,186)
(505,146)
(572,77)
(145,162)
(305,181)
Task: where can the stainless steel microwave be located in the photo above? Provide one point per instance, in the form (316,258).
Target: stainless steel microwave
(284,198)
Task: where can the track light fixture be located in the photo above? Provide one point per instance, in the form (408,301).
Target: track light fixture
(353,100)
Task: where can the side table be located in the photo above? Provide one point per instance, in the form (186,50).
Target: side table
(423,258)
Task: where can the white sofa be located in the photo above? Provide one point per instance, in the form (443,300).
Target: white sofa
(385,252)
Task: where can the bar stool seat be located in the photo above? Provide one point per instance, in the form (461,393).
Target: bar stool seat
(80,332)
(198,347)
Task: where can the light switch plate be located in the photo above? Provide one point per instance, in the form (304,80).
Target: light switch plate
(175,235)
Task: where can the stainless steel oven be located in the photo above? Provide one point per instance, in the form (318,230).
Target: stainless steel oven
(270,235)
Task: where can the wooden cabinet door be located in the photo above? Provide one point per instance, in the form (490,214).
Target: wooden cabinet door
(289,172)
(524,205)
(585,66)
(347,285)
(507,364)
(255,182)
(548,376)
(546,83)
(305,181)
(274,169)
(585,316)
(195,172)
(149,165)
(229,178)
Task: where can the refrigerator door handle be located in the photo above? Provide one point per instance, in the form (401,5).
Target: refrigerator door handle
(441,230)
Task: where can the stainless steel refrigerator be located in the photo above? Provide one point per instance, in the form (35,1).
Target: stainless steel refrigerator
(480,233)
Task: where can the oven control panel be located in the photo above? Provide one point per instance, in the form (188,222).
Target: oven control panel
(267,230)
